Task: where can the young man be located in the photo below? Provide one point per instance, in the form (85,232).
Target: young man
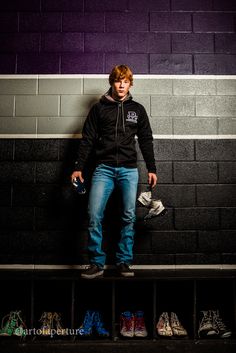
(110,129)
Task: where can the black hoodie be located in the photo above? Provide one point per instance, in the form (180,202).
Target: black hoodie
(110,129)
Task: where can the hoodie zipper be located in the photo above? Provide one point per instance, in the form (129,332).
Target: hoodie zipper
(116,135)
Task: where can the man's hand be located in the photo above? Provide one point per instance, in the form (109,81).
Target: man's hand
(152,179)
(77,174)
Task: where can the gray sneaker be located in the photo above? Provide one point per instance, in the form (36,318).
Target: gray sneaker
(124,270)
(93,271)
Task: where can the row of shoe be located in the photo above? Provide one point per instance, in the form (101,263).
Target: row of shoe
(212,325)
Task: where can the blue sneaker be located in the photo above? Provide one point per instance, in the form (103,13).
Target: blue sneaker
(86,328)
(99,325)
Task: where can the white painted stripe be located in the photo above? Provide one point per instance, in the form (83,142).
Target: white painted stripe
(135,267)
(163,137)
(146,76)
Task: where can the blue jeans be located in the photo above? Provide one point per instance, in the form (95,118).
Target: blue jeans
(104,180)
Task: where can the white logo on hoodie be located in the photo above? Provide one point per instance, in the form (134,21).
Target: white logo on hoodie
(132,117)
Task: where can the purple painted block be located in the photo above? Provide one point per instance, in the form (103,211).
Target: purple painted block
(83,22)
(126,22)
(149,43)
(38,63)
(40,22)
(227,5)
(171,64)
(19,42)
(149,5)
(105,42)
(191,5)
(137,62)
(192,43)
(60,42)
(105,5)
(213,22)
(20,5)
(225,43)
(218,64)
(62,5)
(7,63)
(8,22)
(82,63)
(170,22)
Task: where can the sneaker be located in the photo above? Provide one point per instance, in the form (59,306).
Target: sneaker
(145,198)
(139,324)
(98,325)
(206,327)
(86,328)
(219,325)
(124,270)
(46,320)
(163,326)
(127,324)
(177,328)
(57,325)
(156,209)
(92,271)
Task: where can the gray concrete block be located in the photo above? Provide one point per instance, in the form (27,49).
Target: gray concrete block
(194,87)
(218,106)
(172,106)
(60,125)
(195,172)
(196,218)
(227,126)
(6,105)
(226,87)
(175,195)
(164,171)
(60,85)
(17,125)
(18,86)
(216,195)
(144,100)
(152,86)
(227,172)
(37,105)
(97,86)
(161,125)
(195,126)
(228,218)
(215,150)
(228,241)
(174,241)
(77,105)
(208,241)
(6,149)
(174,149)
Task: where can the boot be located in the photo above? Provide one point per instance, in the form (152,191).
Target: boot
(206,328)
(177,328)
(219,325)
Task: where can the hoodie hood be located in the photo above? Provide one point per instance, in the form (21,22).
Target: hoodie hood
(107,97)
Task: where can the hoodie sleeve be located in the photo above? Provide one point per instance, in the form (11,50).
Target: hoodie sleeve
(89,136)
(145,141)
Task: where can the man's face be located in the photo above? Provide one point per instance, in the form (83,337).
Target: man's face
(120,88)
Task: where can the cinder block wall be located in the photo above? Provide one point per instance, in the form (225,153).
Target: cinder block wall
(171,47)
